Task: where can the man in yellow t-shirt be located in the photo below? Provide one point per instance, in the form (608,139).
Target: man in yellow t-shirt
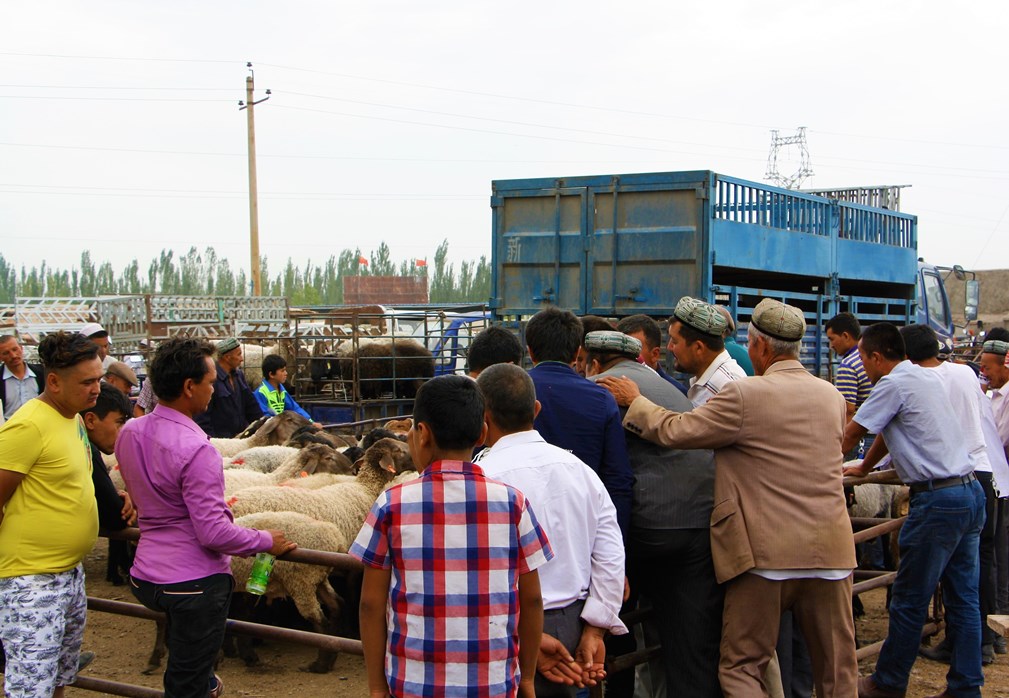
(49,521)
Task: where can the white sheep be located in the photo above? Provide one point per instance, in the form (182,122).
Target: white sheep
(345,504)
(263,459)
(274,431)
(311,459)
(317,481)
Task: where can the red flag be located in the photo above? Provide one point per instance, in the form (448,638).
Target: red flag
(362,260)
(421,262)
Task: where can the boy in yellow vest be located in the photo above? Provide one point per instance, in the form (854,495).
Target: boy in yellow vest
(271,395)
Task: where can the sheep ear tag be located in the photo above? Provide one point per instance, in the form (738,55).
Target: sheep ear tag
(388,463)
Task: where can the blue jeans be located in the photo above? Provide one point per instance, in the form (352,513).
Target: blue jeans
(196,612)
(939,541)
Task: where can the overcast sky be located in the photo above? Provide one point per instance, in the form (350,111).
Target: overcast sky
(120,130)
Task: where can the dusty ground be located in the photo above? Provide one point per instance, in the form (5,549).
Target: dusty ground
(123,644)
(927,677)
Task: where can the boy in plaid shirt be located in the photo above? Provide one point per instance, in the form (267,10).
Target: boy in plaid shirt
(450,604)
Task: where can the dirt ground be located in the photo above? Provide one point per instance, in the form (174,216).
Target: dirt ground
(122,646)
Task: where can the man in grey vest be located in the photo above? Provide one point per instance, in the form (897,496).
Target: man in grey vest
(669,550)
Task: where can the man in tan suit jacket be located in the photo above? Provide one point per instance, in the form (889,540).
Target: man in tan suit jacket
(780,534)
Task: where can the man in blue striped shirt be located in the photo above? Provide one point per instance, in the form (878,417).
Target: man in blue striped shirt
(843,332)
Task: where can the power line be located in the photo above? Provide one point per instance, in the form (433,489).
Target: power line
(116,58)
(112,87)
(513,123)
(502,133)
(115,99)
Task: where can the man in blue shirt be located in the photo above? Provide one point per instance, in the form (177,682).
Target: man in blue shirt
(909,408)
(578,415)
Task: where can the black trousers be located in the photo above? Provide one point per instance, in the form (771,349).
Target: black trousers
(987,592)
(673,571)
(196,612)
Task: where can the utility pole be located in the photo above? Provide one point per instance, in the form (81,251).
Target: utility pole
(248,105)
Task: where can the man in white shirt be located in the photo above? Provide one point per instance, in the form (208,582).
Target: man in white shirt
(21,381)
(994,368)
(987,456)
(696,332)
(582,587)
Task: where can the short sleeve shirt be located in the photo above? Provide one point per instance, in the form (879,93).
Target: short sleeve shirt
(910,408)
(851,380)
(457,542)
(51,521)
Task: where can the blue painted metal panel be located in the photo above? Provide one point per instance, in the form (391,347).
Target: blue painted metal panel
(750,246)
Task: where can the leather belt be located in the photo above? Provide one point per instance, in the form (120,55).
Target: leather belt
(942,483)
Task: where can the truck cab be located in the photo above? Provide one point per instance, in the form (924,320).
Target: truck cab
(933,302)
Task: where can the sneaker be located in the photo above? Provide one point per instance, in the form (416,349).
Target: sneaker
(84,659)
(216,687)
(999,645)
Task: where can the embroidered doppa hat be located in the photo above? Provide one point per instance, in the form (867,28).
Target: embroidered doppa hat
(226,345)
(995,346)
(702,316)
(775,319)
(611,341)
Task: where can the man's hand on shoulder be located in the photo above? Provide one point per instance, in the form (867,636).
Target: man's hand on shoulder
(623,388)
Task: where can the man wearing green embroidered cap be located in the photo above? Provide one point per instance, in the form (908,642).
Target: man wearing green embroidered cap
(696,339)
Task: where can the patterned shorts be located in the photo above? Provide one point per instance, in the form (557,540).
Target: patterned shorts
(42,626)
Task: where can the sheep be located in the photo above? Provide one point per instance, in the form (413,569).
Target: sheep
(400,426)
(313,434)
(317,481)
(311,459)
(263,459)
(306,585)
(376,435)
(346,503)
(408,360)
(274,431)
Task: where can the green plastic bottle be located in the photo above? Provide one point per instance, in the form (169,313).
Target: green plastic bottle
(259,577)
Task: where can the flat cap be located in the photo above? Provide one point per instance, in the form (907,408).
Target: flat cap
(226,345)
(775,319)
(995,346)
(613,342)
(121,370)
(702,316)
(93,329)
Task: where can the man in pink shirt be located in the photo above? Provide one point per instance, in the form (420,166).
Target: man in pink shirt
(175,477)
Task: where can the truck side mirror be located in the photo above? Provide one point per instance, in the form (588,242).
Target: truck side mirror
(973,298)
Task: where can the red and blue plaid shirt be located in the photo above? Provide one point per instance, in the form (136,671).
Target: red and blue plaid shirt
(457,542)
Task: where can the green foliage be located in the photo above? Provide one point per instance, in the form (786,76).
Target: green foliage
(199,273)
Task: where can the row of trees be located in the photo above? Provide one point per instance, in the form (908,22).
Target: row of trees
(204,273)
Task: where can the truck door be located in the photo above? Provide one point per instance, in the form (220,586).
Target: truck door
(644,247)
(933,305)
(539,244)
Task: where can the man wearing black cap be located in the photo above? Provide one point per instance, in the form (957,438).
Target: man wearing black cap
(780,534)
(233,406)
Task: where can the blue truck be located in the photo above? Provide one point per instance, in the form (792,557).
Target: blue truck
(617,245)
